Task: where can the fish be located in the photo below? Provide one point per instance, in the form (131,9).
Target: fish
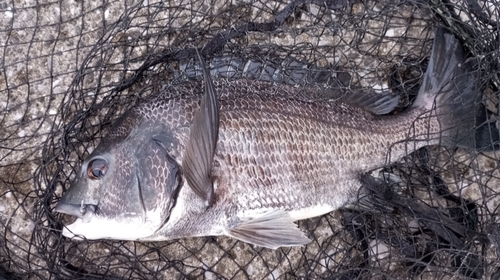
(247,158)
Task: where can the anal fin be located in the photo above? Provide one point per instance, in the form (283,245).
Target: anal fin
(271,230)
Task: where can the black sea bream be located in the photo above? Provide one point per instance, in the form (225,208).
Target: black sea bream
(247,158)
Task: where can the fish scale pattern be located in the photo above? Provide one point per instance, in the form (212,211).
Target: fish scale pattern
(285,151)
(160,181)
(115,206)
(290,155)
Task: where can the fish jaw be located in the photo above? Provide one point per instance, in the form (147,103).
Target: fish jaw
(130,227)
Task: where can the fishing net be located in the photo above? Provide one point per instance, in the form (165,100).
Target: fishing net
(70,68)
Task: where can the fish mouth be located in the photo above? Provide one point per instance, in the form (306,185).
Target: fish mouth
(82,211)
(90,225)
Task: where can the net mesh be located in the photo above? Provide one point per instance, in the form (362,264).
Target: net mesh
(70,68)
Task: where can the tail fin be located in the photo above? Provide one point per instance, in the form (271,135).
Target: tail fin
(453,87)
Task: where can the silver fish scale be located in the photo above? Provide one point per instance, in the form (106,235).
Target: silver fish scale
(277,150)
(160,171)
(280,154)
(116,206)
(140,126)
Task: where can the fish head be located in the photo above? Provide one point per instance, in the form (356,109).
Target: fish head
(124,190)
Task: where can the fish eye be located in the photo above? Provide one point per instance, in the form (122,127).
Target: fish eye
(97,168)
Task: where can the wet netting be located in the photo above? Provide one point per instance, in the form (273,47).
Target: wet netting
(70,68)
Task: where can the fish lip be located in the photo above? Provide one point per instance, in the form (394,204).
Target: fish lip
(78,210)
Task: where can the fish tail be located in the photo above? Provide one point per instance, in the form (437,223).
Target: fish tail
(451,91)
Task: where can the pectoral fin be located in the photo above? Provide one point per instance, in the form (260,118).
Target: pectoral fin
(197,161)
(272,230)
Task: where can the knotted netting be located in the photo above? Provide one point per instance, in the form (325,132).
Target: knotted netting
(70,68)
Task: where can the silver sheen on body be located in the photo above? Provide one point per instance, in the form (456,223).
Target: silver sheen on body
(247,158)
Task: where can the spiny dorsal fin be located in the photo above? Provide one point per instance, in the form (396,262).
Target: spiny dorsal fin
(197,161)
(271,230)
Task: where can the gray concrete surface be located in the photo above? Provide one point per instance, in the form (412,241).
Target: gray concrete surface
(44,44)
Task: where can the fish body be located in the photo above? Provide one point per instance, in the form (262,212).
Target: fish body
(246,158)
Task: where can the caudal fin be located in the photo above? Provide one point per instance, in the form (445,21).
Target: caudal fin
(451,87)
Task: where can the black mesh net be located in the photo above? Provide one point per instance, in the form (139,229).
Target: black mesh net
(70,68)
